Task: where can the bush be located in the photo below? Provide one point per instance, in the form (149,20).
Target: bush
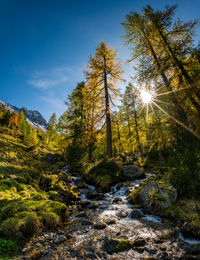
(10,227)
(184,163)
(31,225)
(50,220)
(7,248)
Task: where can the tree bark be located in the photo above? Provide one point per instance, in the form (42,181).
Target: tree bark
(180,110)
(182,69)
(108,119)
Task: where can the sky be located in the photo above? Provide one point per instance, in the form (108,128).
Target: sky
(45,45)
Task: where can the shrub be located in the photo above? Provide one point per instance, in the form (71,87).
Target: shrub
(10,227)
(54,195)
(31,225)
(50,220)
(7,248)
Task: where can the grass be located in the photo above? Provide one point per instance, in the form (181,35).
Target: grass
(186,210)
(30,190)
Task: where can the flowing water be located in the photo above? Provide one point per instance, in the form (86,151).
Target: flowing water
(101,219)
(109,216)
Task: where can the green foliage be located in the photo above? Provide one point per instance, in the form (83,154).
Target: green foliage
(124,245)
(155,196)
(51,128)
(7,248)
(104,173)
(50,220)
(23,199)
(10,227)
(31,224)
(186,210)
(184,163)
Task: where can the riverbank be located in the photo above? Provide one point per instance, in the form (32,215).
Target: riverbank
(106,226)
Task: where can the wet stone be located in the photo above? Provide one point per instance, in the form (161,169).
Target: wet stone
(59,239)
(139,242)
(82,214)
(86,223)
(99,225)
(122,214)
(110,221)
(136,213)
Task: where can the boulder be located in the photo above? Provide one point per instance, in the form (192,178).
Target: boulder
(59,239)
(132,172)
(99,225)
(157,196)
(114,245)
(136,213)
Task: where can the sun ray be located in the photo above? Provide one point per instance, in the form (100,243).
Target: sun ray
(177,121)
(169,92)
(157,100)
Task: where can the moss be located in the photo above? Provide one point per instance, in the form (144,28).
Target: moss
(186,210)
(155,196)
(134,197)
(104,174)
(50,220)
(24,176)
(124,245)
(10,227)
(31,224)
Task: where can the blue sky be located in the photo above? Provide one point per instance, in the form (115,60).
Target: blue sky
(45,45)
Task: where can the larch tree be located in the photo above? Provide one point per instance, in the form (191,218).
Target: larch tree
(106,72)
(176,40)
(147,51)
(51,127)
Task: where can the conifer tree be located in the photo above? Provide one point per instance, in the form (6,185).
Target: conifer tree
(51,127)
(106,72)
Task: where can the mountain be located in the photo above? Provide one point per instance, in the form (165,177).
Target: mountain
(33,116)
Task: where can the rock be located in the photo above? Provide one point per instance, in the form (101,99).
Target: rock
(99,196)
(93,205)
(50,237)
(136,213)
(99,225)
(122,214)
(114,245)
(110,245)
(84,203)
(139,242)
(82,214)
(10,176)
(193,250)
(132,172)
(59,239)
(86,223)
(110,221)
(157,196)
(117,200)
(24,250)
(90,195)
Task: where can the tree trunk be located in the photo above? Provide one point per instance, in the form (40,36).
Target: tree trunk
(108,119)
(180,110)
(137,133)
(182,69)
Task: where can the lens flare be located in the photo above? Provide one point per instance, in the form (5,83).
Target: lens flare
(146,96)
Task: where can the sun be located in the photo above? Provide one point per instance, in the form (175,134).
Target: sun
(146,96)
